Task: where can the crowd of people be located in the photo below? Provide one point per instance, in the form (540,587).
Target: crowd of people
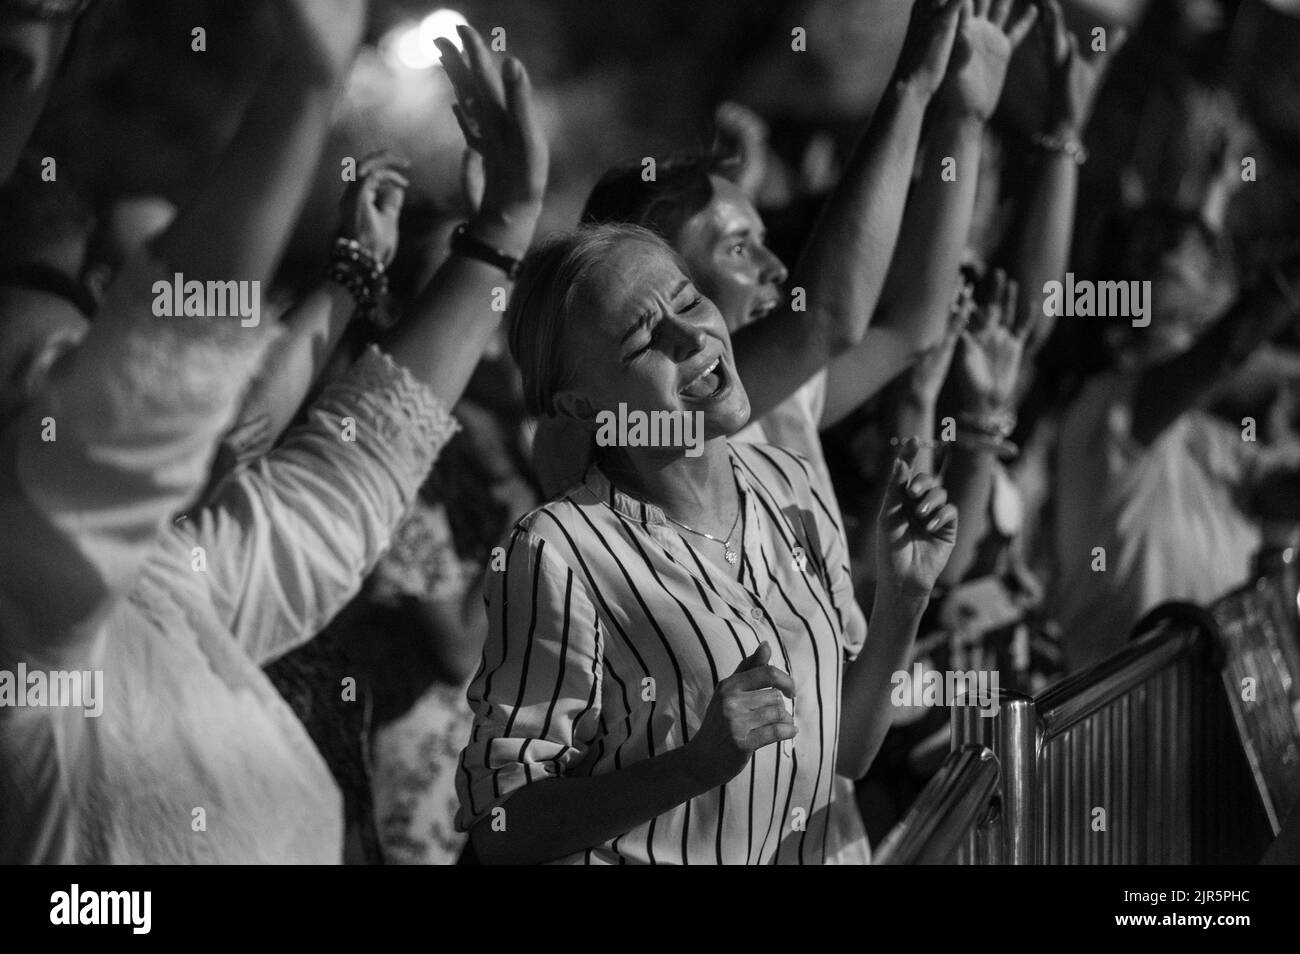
(363,584)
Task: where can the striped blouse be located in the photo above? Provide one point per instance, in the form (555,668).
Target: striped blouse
(608,633)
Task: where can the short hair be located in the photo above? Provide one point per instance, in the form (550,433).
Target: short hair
(550,280)
(681,187)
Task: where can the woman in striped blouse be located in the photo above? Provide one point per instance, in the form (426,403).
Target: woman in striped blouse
(675,667)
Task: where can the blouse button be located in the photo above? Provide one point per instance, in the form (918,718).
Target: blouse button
(756,612)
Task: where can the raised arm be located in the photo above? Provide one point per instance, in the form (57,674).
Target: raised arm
(915,533)
(312,328)
(1042,249)
(1167,391)
(842,268)
(914,303)
(238,224)
(986,372)
(139,406)
(295,535)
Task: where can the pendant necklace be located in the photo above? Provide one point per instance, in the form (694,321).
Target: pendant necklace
(727,551)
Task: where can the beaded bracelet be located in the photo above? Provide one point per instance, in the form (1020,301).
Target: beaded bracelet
(921,443)
(1066,145)
(996,424)
(363,275)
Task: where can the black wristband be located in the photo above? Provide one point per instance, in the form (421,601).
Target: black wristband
(462,243)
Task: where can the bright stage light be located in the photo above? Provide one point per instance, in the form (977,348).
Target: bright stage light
(441,24)
(410,46)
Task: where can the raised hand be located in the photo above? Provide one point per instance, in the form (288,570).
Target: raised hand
(741,137)
(985,41)
(928,45)
(747,712)
(499,119)
(992,347)
(1073,79)
(322,35)
(372,205)
(916,530)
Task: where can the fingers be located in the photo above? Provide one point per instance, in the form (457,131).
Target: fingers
(943,524)
(1020,28)
(382,159)
(965,12)
(1054,26)
(462,81)
(761,677)
(926,498)
(928,507)
(999,11)
(902,470)
(995,312)
(480,62)
(772,715)
(767,734)
(765,698)
(758,657)
(1010,301)
(469,129)
(390,194)
(379,178)
(981,9)
(918,485)
(519,92)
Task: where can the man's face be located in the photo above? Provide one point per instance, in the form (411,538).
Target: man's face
(649,340)
(30,53)
(722,245)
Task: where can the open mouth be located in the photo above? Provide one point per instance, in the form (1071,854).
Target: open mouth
(711,383)
(763,309)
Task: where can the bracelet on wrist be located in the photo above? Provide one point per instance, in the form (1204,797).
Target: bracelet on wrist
(1067,145)
(364,277)
(922,443)
(995,424)
(470,246)
(1000,447)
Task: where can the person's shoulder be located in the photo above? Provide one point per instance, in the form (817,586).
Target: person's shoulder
(563,522)
(781,470)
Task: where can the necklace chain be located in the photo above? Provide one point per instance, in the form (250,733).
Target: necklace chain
(728,552)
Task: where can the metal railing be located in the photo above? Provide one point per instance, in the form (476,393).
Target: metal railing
(954,811)
(1134,761)
(1142,759)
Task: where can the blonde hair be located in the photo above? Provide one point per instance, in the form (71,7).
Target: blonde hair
(543,304)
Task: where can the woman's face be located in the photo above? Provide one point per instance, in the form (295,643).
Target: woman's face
(722,245)
(648,339)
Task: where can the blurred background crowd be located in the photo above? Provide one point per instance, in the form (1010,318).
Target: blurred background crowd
(1197,87)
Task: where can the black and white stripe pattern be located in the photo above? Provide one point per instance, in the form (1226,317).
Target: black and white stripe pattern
(602,598)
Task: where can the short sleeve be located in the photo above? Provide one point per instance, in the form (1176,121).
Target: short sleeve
(536,697)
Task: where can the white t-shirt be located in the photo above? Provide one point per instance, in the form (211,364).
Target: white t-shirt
(1168,516)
